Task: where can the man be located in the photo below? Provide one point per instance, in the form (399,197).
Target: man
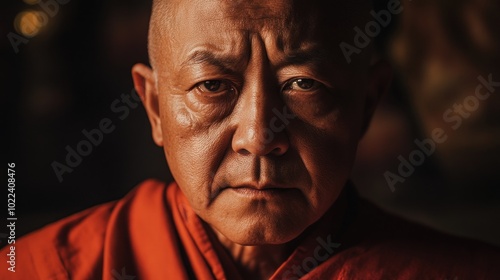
(259,115)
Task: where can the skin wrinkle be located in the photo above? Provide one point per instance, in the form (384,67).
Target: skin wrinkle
(216,142)
(214,190)
(288,16)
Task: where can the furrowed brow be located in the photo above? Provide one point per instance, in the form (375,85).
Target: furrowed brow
(226,63)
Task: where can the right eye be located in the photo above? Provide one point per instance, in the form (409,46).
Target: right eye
(214,86)
(302,85)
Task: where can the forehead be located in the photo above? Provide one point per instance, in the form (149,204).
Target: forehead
(287,24)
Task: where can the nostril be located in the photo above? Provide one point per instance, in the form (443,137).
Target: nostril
(277,151)
(243,152)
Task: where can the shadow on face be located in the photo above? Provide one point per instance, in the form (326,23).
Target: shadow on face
(258,110)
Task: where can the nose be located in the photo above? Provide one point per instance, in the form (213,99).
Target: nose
(261,128)
(262,121)
(260,131)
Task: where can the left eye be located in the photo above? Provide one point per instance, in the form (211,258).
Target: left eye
(302,85)
(214,86)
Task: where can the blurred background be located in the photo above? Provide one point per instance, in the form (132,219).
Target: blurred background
(66,67)
(66,76)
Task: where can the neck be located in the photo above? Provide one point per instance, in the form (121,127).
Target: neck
(256,262)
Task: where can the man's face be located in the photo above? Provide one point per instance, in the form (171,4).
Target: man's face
(259,114)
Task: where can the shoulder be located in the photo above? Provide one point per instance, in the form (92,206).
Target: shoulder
(71,244)
(389,247)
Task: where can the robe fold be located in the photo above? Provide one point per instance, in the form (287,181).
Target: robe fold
(153,233)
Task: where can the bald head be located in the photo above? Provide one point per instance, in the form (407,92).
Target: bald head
(296,20)
(249,95)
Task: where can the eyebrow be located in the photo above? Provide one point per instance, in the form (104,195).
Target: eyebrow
(305,57)
(227,63)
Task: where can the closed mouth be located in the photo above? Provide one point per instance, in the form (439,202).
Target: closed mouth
(266,191)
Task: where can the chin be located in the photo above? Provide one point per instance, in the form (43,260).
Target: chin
(263,233)
(252,240)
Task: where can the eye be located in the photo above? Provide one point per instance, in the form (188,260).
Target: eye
(214,86)
(302,84)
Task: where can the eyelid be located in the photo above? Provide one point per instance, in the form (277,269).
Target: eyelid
(200,73)
(315,72)
(289,82)
(230,87)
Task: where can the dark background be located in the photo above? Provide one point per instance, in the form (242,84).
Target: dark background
(62,81)
(65,79)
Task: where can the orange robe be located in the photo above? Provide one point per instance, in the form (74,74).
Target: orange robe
(152,233)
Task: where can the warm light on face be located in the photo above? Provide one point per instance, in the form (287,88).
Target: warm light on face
(259,135)
(29,23)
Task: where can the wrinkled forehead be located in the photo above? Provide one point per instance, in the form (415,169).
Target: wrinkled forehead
(292,23)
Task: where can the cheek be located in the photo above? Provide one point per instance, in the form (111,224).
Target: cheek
(192,162)
(327,147)
(193,151)
(207,110)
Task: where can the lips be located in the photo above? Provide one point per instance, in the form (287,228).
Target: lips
(259,186)
(260,191)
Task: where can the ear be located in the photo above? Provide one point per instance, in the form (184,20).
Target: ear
(379,81)
(145,85)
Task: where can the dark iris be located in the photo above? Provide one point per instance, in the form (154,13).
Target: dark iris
(305,83)
(213,85)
